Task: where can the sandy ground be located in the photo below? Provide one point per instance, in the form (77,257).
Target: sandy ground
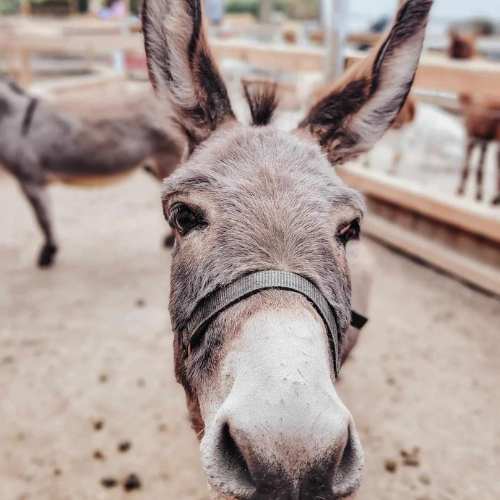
(86,364)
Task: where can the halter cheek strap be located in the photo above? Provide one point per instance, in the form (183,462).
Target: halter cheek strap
(358,321)
(28,116)
(212,305)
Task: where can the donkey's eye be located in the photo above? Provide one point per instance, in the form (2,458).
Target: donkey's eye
(348,232)
(183,218)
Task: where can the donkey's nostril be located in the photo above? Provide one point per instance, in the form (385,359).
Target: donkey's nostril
(239,466)
(226,466)
(347,476)
(233,453)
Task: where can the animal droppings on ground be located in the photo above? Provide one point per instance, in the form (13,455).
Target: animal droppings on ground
(57,472)
(390,465)
(140,303)
(391,381)
(424,479)
(98,425)
(8,360)
(98,455)
(141,382)
(109,482)
(132,482)
(411,458)
(103,378)
(124,446)
(162,428)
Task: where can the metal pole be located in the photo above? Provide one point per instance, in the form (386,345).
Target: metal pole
(334,15)
(265,11)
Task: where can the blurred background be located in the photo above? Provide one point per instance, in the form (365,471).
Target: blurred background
(89,405)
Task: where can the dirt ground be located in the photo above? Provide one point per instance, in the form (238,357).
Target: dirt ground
(86,365)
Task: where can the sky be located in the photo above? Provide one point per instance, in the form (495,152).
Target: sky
(447,9)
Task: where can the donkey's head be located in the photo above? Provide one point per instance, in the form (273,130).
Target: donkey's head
(259,371)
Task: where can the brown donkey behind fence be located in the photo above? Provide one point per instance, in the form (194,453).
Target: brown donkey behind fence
(462,45)
(482,124)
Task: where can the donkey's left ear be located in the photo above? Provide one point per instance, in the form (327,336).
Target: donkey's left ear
(182,69)
(363,104)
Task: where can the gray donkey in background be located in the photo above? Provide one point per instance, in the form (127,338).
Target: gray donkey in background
(39,145)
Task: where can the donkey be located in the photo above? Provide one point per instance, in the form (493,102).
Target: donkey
(39,145)
(482,123)
(462,45)
(405,118)
(260,299)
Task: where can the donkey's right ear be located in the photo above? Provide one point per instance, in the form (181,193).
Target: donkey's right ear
(363,104)
(181,68)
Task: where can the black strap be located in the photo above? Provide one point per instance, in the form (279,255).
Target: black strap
(210,307)
(358,321)
(28,116)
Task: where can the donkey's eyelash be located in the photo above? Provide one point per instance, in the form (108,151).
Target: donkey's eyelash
(349,231)
(184,218)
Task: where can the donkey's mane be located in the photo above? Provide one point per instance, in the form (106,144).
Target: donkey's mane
(262,100)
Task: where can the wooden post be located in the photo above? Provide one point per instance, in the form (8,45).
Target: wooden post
(25,7)
(128,8)
(334,15)
(25,74)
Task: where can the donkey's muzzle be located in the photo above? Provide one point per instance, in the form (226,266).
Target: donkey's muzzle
(240,469)
(281,432)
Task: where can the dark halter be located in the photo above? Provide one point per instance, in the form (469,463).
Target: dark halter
(212,305)
(28,116)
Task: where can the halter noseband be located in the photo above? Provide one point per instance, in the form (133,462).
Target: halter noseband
(212,305)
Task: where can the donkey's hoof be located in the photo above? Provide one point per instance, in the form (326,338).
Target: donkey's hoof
(169,241)
(496,200)
(47,255)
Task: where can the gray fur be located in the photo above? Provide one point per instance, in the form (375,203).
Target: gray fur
(54,146)
(274,203)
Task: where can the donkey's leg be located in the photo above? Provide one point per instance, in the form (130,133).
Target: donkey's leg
(37,196)
(169,240)
(398,155)
(466,166)
(366,161)
(480,171)
(149,169)
(496,199)
(399,149)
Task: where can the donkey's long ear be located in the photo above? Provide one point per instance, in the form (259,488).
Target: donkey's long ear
(182,69)
(363,104)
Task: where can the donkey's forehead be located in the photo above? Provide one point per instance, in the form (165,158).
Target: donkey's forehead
(241,157)
(239,144)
